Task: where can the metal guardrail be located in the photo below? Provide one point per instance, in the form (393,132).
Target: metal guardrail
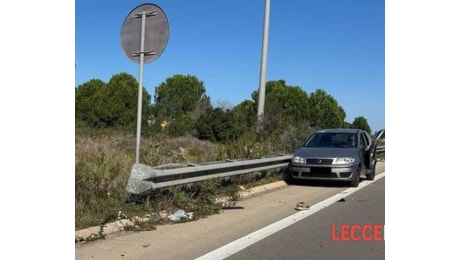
(144,178)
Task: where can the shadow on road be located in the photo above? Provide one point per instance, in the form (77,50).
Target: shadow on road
(318,183)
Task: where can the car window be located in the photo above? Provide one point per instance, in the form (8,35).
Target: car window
(314,140)
(352,140)
(364,141)
(337,140)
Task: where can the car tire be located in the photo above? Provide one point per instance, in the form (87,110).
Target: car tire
(356,178)
(371,176)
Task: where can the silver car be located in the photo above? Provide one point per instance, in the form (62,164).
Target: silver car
(336,154)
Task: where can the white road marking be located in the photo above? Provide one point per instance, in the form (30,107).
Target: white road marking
(248,240)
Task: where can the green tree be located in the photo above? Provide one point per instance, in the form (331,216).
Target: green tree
(113,104)
(360,122)
(123,95)
(325,110)
(217,125)
(90,103)
(284,105)
(244,116)
(347,125)
(179,101)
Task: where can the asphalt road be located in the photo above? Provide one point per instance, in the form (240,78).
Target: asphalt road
(197,238)
(327,234)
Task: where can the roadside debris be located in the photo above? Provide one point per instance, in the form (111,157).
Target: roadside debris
(122,221)
(226,202)
(302,206)
(180,214)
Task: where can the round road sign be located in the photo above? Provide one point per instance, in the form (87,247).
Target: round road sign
(156,33)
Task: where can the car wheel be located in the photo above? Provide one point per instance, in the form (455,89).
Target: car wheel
(371,176)
(356,178)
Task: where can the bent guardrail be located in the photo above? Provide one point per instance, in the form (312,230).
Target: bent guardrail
(144,178)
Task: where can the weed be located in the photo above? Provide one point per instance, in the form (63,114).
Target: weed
(103,163)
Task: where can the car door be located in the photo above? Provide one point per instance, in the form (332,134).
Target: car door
(365,150)
(370,153)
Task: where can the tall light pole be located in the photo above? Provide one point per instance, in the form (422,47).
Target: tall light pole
(263,64)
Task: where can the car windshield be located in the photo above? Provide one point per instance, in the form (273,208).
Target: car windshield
(339,140)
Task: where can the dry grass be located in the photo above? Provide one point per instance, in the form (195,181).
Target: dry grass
(103,163)
(104,159)
(163,150)
(102,168)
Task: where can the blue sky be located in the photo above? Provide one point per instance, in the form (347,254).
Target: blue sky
(335,45)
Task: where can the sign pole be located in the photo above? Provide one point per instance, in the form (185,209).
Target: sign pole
(141,75)
(152,38)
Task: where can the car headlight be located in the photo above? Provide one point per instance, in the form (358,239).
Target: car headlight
(343,160)
(298,159)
